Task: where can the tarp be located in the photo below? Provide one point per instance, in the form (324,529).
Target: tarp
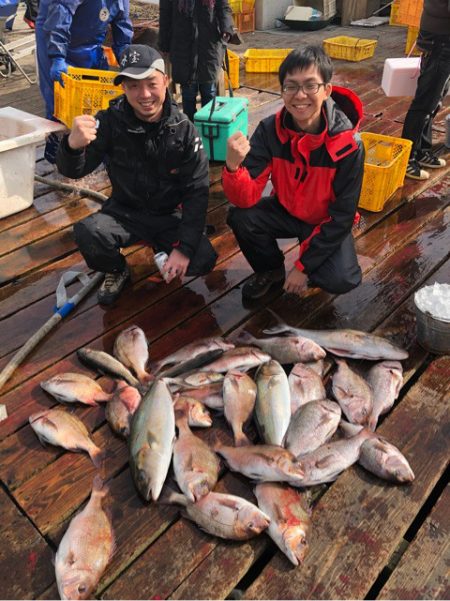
(8,7)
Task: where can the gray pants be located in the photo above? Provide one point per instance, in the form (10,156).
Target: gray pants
(101,236)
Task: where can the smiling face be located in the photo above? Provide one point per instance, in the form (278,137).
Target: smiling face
(146,96)
(306,108)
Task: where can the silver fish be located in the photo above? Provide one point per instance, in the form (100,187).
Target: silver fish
(120,410)
(354,344)
(107,364)
(223,515)
(385,380)
(85,549)
(63,429)
(305,385)
(239,394)
(263,462)
(151,440)
(195,465)
(331,459)
(290,521)
(286,349)
(273,402)
(379,456)
(131,349)
(190,351)
(242,358)
(191,364)
(353,394)
(311,426)
(74,387)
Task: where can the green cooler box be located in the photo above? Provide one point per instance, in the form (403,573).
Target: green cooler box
(228,116)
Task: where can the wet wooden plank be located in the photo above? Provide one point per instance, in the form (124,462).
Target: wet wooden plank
(25,557)
(359,522)
(423,571)
(198,584)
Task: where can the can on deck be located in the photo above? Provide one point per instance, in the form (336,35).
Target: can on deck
(160,260)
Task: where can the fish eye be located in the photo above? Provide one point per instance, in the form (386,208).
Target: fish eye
(250,525)
(82,588)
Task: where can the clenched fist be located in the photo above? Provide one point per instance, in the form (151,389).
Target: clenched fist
(238,148)
(84,131)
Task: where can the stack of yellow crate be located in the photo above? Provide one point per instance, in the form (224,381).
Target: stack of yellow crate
(243,15)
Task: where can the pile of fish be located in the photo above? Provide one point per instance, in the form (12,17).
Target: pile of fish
(296,445)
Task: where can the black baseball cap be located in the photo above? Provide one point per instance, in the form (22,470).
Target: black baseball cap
(139,61)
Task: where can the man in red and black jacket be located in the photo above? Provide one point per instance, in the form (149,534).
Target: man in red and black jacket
(314,157)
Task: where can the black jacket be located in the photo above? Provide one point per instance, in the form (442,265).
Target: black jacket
(153,167)
(436,17)
(194,42)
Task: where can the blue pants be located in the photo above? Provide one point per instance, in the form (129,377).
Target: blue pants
(189,93)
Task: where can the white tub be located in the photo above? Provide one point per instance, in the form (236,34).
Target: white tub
(20,132)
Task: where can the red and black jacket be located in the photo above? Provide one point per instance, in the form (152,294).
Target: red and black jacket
(317,178)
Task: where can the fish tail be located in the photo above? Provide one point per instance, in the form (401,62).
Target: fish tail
(245,337)
(97,455)
(241,439)
(99,487)
(146,377)
(170,497)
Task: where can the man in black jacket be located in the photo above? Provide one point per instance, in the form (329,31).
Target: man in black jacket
(432,85)
(155,161)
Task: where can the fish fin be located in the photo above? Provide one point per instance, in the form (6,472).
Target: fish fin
(152,441)
(169,497)
(324,461)
(97,456)
(49,423)
(99,486)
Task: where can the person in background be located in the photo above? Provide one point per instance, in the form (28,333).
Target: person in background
(432,85)
(194,34)
(31,12)
(314,156)
(156,162)
(71,32)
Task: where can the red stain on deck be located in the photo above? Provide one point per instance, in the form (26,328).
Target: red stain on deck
(32,560)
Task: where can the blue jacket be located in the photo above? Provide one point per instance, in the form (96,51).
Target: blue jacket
(76,29)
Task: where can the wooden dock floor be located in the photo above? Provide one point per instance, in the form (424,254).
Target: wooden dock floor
(370,539)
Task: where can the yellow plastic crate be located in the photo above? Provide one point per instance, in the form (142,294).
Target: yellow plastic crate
(384,169)
(410,11)
(411,37)
(393,19)
(85,92)
(233,60)
(348,48)
(242,6)
(265,60)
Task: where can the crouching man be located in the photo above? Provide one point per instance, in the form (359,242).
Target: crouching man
(315,158)
(156,162)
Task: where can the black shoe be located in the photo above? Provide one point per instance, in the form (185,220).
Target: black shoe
(414,171)
(112,286)
(260,283)
(431,161)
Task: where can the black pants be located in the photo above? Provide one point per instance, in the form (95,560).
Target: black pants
(432,85)
(101,236)
(257,229)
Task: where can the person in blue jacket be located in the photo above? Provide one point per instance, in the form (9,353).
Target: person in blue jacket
(71,32)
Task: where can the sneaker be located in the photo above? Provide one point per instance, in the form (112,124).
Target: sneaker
(414,171)
(112,286)
(430,160)
(29,22)
(260,283)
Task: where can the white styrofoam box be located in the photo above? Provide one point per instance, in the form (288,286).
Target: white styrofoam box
(267,11)
(298,13)
(400,76)
(20,132)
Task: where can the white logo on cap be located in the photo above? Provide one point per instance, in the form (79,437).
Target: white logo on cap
(134,57)
(103,15)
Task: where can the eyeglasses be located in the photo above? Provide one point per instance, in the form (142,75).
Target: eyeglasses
(308,88)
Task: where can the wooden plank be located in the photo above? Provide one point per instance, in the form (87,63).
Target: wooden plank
(423,571)
(198,585)
(25,557)
(360,520)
